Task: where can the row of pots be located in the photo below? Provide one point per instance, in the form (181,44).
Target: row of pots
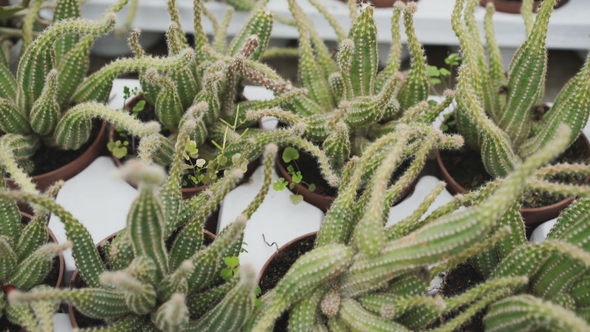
(505,6)
(100,142)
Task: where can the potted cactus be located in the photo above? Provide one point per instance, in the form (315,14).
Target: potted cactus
(38,135)
(499,116)
(161,278)
(363,276)
(555,270)
(209,91)
(31,260)
(517,6)
(349,104)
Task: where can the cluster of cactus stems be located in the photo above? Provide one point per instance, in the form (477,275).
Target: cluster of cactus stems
(157,275)
(349,104)
(363,276)
(26,248)
(160,276)
(205,88)
(497,113)
(36,105)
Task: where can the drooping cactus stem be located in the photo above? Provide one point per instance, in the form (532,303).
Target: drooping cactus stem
(45,112)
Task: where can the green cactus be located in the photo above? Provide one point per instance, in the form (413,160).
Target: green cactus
(209,92)
(349,104)
(35,105)
(360,276)
(495,113)
(26,248)
(155,287)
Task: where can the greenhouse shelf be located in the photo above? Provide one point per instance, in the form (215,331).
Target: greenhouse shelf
(568,29)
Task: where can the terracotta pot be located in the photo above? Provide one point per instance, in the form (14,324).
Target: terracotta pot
(76,280)
(382,3)
(66,172)
(532,217)
(513,7)
(60,275)
(324,202)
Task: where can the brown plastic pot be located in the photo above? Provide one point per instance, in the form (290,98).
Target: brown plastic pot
(513,7)
(8,288)
(324,202)
(532,217)
(382,3)
(283,248)
(76,280)
(66,172)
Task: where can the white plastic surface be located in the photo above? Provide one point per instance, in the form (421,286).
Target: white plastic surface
(568,28)
(97,200)
(277,218)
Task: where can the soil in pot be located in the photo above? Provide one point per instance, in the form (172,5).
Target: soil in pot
(189,188)
(466,167)
(54,278)
(323,195)
(78,319)
(513,6)
(57,162)
(468,172)
(278,265)
(455,282)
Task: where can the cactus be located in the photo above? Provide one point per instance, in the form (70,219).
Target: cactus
(154,286)
(358,277)
(349,104)
(209,92)
(35,105)
(495,113)
(26,248)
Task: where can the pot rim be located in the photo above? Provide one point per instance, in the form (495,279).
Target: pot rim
(513,7)
(281,248)
(74,167)
(324,202)
(458,189)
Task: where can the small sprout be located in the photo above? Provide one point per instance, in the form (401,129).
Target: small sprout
(200,162)
(191,150)
(279,184)
(118,148)
(311,187)
(290,154)
(232,268)
(453,59)
(138,107)
(296,198)
(433,71)
(297,177)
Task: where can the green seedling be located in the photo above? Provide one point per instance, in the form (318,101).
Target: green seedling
(291,155)
(446,123)
(203,173)
(118,148)
(232,267)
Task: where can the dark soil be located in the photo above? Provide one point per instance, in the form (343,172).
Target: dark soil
(466,167)
(308,165)
(456,282)
(277,269)
(47,159)
(50,280)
